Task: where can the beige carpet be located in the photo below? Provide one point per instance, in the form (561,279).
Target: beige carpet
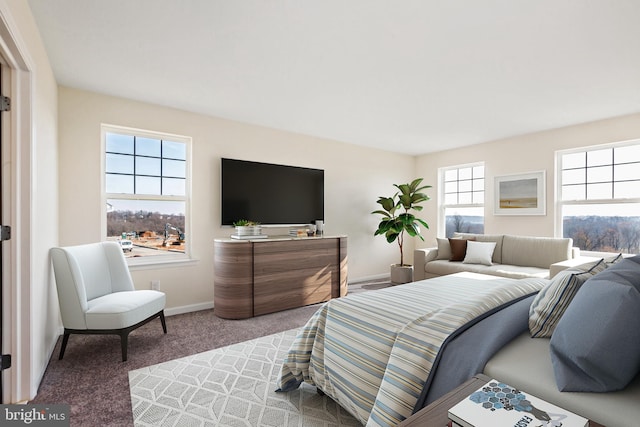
(229,386)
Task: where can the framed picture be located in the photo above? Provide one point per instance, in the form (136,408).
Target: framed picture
(520,194)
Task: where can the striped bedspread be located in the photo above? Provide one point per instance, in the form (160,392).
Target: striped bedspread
(373,352)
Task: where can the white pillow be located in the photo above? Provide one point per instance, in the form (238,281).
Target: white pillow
(479,252)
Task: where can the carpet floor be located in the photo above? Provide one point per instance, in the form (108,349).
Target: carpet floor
(94,381)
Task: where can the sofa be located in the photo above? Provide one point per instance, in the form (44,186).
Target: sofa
(496,254)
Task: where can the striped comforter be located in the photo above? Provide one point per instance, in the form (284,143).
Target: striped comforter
(372,352)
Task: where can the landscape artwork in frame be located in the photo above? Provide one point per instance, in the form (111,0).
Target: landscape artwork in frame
(521,194)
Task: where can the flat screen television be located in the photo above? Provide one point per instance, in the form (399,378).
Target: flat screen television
(271,194)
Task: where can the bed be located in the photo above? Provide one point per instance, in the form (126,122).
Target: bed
(383,355)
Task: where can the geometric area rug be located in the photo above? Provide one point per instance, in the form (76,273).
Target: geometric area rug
(230,386)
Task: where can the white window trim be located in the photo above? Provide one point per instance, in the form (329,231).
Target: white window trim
(149,261)
(559,203)
(442,207)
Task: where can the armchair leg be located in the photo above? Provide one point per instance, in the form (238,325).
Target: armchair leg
(124,341)
(164,324)
(63,347)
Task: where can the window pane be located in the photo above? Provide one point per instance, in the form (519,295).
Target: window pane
(174,150)
(465,186)
(147,166)
(574,160)
(174,168)
(147,147)
(173,187)
(630,153)
(478,185)
(117,163)
(627,172)
(600,174)
(451,175)
(145,222)
(573,176)
(451,199)
(600,157)
(464,220)
(478,172)
(121,184)
(464,198)
(116,143)
(574,192)
(464,173)
(478,197)
(626,190)
(612,227)
(451,187)
(599,191)
(147,185)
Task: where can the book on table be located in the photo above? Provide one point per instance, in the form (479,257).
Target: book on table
(499,405)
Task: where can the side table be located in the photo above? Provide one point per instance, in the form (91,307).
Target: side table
(436,413)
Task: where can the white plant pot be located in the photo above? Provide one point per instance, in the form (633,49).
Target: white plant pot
(401,274)
(244,230)
(256,230)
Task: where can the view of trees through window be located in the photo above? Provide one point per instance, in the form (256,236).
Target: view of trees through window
(146,191)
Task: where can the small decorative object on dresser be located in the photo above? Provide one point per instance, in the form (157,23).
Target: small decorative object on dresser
(498,404)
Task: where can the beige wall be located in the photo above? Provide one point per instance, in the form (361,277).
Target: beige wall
(527,153)
(354,178)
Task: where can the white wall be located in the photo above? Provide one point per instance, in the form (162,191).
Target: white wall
(522,154)
(354,178)
(33,213)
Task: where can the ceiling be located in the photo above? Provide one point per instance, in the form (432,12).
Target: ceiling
(413,77)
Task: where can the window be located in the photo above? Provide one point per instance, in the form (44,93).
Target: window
(462,199)
(146,188)
(599,197)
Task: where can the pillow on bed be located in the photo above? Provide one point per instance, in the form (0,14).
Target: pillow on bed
(596,345)
(444,248)
(552,301)
(479,253)
(458,249)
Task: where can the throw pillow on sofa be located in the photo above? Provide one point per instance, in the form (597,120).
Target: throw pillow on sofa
(458,249)
(552,301)
(479,253)
(596,345)
(444,248)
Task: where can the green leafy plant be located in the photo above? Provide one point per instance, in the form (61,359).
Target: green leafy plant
(242,223)
(397,216)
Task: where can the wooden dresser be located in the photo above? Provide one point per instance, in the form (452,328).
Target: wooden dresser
(255,277)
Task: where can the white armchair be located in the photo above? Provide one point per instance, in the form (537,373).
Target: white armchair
(97,296)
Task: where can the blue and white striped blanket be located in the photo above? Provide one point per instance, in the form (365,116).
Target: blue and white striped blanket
(373,352)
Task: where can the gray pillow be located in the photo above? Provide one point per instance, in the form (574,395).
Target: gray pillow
(444,248)
(596,344)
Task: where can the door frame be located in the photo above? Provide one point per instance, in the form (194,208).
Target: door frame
(17,191)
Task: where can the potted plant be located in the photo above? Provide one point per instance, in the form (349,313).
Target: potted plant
(243,227)
(398,219)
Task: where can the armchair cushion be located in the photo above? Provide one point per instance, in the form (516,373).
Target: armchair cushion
(123,309)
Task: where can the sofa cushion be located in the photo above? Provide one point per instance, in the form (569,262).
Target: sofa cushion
(596,345)
(497,238)
(479,252)
(535,251)
(552,301)
(443,267)
(458,249)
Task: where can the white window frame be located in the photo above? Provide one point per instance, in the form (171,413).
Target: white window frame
(150,261)
(442,206)
(559,232)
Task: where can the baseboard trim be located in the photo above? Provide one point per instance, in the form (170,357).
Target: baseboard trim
(188,308)
(369,278)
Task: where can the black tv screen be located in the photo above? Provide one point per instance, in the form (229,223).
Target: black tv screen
(271,194)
